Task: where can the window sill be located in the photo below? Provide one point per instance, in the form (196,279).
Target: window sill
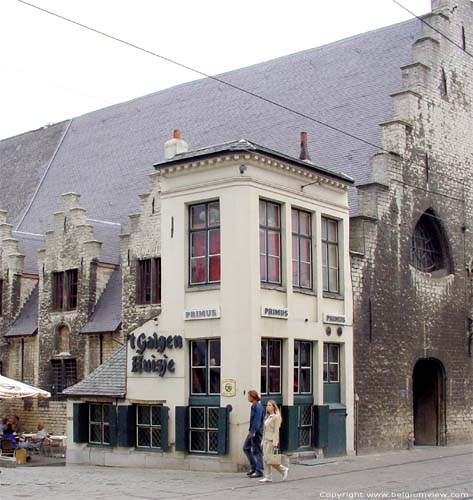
(148,306)
(331,295)
(97,445)
(144,449)
(305,291)
(202,288)
(270,286)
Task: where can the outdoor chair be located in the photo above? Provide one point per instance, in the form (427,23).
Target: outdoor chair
(7,448)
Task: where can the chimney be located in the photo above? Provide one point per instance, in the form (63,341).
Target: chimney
(304,154)
(175,146)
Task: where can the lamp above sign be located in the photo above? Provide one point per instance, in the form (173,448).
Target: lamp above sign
(274,312)
(204,313)
(335,318)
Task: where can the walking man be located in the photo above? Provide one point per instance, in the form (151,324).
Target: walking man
(252,447)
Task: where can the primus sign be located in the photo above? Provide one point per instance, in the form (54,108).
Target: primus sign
(157,343)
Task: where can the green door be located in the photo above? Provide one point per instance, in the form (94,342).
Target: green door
(336,439)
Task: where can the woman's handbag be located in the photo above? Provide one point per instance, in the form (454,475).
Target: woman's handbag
(273,457)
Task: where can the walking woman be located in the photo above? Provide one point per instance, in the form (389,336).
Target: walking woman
(272,423)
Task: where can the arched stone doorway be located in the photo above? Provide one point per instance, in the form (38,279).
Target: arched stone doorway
(428,385)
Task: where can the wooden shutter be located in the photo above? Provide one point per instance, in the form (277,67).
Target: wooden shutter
(164,428)
(139,282)
(223,428)
(321,414)
(126,429)
(289,433)
(182,428)
(156,281)
(81,422)
(112,423)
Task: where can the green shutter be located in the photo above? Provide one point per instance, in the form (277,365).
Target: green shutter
(182,426)
(289,433)
(112,422)
(81,422)
(223,428)
(126,426)
(164,428)
(321,414)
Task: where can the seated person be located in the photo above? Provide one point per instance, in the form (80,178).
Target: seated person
(3,424)
(9,436)
(35,443)
(17,427)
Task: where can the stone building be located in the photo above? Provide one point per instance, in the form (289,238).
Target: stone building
(397,102)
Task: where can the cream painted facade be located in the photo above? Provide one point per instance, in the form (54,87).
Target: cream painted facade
(238,181)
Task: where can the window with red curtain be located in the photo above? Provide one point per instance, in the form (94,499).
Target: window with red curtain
(148,281)
(270,242)
(204,243)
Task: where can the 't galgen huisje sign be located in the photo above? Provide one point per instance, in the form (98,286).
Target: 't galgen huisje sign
(154,345)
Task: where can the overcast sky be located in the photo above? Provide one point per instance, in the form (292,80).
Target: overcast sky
(51,70)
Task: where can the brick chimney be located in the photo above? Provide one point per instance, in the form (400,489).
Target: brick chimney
(304,154)
(175,146)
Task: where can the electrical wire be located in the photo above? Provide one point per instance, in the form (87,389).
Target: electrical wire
(433,28)
(201,73)
(236,87)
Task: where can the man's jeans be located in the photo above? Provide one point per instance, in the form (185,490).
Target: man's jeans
(254,453)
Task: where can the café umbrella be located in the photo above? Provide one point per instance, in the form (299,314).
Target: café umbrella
(10,389)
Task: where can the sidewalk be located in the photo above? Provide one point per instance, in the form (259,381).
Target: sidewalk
(430,472)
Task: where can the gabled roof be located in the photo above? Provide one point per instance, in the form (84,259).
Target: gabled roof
(105,155)
(108,380)
(27,322)
(107,315)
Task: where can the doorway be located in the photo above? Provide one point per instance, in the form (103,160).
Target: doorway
(428,387)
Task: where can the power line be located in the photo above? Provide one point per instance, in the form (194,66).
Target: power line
(201,73)
(233,86)
(433,28)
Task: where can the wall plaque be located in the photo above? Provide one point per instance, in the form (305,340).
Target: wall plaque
(229,387)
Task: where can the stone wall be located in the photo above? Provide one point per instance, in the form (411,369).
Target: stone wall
(141,242)
(402,314)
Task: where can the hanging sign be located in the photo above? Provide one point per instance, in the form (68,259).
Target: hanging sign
(335,318)
(204,313)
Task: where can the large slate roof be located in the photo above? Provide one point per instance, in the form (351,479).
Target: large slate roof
(23,161)
(109,379)
(27,322)
(107,315)
(105,155)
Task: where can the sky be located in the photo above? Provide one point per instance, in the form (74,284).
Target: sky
(51,70)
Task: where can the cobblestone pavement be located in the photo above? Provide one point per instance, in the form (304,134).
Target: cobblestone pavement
(426,473)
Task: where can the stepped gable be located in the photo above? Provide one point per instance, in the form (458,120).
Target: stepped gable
(26,324)
(106,154)
(107,316)
(109,379)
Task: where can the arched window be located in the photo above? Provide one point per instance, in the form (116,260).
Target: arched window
(429,248)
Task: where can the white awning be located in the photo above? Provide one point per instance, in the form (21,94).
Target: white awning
(10,389)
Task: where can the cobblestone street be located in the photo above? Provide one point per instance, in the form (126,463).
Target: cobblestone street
(430,472)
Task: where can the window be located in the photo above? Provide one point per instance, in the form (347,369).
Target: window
(304,424)
(301,249)
(270,242)
(64,374)
(428,245)
(65,290)
(332,363)
(204,243)
(203,429)
(205,367)
(271,362)
(148,426)
(148,281)
(330,267)
(99,426)
(302,367)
